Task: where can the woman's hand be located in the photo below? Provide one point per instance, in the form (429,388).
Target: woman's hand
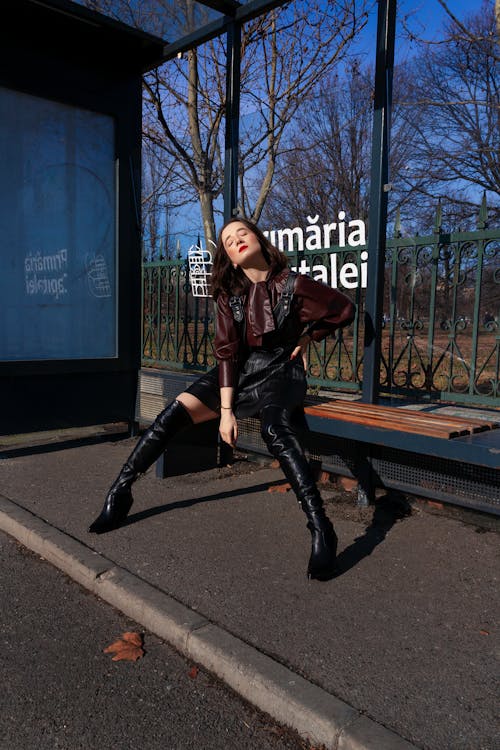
(228,427)
(301,349)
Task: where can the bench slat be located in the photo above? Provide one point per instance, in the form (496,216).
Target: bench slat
(389,412)
(377,409)
(460,423)
(472,425)
(393,414)
(476,425)
(387,423)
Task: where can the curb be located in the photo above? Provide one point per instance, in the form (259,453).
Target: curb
(290,699)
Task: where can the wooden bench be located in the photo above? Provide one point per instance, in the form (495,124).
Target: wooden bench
(385,446)
(417,431)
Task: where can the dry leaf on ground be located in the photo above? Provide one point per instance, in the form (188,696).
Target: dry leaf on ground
(127,648)
(280,487)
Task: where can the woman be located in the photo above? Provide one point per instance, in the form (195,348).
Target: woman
(266,317)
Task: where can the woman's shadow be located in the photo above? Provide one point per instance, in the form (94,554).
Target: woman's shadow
(389,509)
(191,501)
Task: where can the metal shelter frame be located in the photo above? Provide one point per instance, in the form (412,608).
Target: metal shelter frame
(235,15)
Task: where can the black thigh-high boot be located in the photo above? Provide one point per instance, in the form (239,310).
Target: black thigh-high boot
(149,448)
(280,436)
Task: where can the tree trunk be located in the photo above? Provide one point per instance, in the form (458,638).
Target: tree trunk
(207,215)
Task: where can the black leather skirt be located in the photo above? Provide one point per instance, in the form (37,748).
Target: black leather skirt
(267,376)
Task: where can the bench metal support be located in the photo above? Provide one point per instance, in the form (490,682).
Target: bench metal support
(364,475)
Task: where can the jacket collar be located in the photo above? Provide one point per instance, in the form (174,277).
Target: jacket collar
(260,312)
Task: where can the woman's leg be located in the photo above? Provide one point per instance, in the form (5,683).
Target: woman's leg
(183,412)
(281,437)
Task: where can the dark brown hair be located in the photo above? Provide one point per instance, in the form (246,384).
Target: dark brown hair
(231,280)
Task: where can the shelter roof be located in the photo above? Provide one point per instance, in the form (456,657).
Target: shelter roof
(80,32)
(48,21)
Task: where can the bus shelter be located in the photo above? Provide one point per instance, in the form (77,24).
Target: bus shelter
(70,213)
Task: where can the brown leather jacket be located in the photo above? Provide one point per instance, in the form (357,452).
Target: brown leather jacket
(314,303)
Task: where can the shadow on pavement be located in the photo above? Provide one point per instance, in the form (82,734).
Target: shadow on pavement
(60,444)
(389,509)
(179,504)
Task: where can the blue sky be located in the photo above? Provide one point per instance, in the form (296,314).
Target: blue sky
(424,18)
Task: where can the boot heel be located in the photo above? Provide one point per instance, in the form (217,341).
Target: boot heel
(322,563)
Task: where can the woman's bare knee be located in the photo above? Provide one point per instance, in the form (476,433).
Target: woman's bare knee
(198,411)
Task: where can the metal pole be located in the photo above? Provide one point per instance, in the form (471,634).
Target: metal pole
(232,119)
(386,32)
(233,67)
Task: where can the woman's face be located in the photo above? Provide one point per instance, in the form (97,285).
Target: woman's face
(241,244)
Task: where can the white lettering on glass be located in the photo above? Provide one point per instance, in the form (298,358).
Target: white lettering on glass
(317,236)
(46,275)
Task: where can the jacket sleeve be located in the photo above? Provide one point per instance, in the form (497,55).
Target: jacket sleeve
(324,308)
(226,343)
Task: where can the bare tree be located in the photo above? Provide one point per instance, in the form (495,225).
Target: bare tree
(444,137)
(453,102)
(327,166)
(158,201)
(292,51)
(285,53)
(175,94)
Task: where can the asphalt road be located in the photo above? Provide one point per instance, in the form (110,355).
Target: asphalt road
(407,635)
(60,691)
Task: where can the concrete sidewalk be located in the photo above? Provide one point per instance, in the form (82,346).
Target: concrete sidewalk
(398,650)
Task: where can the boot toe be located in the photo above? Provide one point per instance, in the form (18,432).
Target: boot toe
(102,525)
(113,514)
(322,566)
(325,573)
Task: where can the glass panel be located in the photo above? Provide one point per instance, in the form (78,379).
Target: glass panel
(306,112)
(183,177)
(183,148)
(168,19)
(442,283)
(57,228)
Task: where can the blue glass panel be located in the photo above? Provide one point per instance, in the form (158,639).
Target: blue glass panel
(57,231)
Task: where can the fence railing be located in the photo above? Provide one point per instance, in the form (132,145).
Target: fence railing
(440,331)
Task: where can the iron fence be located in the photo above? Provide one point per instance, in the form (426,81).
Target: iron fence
(440,330)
